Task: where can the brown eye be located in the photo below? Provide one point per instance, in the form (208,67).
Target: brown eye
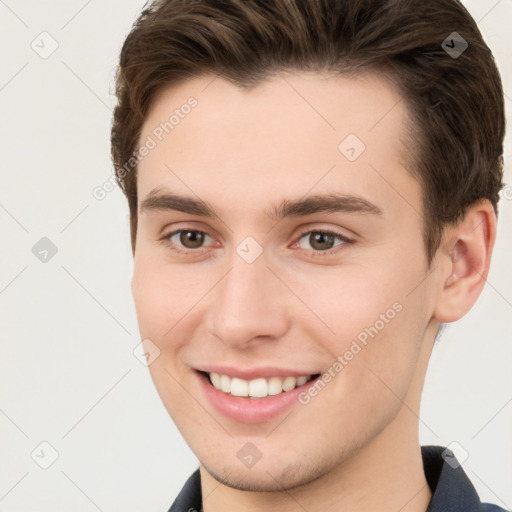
(182,240)
(191,239)
(322,240)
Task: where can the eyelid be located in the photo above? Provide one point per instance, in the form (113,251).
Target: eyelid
(166,239)
(326,231)
(304,231)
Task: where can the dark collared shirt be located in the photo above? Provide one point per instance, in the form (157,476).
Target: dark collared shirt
(451,489)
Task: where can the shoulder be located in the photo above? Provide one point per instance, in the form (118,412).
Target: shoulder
(452,490)
(490,507)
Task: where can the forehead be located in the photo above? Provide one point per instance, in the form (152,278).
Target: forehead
(292,133)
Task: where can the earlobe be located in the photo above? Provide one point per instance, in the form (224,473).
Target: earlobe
(465,261)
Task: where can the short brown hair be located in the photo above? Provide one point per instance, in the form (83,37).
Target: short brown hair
(456,101)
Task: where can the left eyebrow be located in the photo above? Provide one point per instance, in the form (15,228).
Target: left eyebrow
(329,203)
(159,199)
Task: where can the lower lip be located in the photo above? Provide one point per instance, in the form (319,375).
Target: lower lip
(247,410)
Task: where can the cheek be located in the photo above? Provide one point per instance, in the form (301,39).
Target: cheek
(163,294)
(371,323)
(151,305)
(344,303)
(162,297)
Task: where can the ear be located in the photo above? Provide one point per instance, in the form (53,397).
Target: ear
(464,260)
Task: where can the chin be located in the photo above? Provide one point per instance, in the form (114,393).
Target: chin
(264,479)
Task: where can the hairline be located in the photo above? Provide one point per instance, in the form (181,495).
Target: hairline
(410,141)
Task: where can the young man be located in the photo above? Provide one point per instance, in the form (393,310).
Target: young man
(313,191)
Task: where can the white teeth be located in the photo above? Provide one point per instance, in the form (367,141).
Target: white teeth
(301,381)
(215,377)
(225,384)
(274,386)
(289,383)
(239,387)
(256,388)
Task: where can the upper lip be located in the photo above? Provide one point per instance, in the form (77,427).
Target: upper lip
(253,373)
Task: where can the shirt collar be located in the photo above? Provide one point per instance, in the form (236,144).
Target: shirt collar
(451,488)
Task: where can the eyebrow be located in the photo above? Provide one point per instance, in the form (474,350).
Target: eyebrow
(159,199)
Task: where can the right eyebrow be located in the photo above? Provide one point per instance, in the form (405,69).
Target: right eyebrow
(168,201)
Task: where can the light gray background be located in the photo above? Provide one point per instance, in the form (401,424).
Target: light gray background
(68,327)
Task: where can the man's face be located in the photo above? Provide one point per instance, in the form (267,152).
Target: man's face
(257,297)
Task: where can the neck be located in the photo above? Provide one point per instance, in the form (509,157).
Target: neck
(386,475)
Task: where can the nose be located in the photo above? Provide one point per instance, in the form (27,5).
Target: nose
(250,305)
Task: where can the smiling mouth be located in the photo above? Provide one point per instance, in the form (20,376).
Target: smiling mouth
(256,388)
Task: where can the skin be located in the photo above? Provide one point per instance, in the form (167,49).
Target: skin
(355,445)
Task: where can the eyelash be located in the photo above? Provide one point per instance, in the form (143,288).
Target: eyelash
(315,253)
